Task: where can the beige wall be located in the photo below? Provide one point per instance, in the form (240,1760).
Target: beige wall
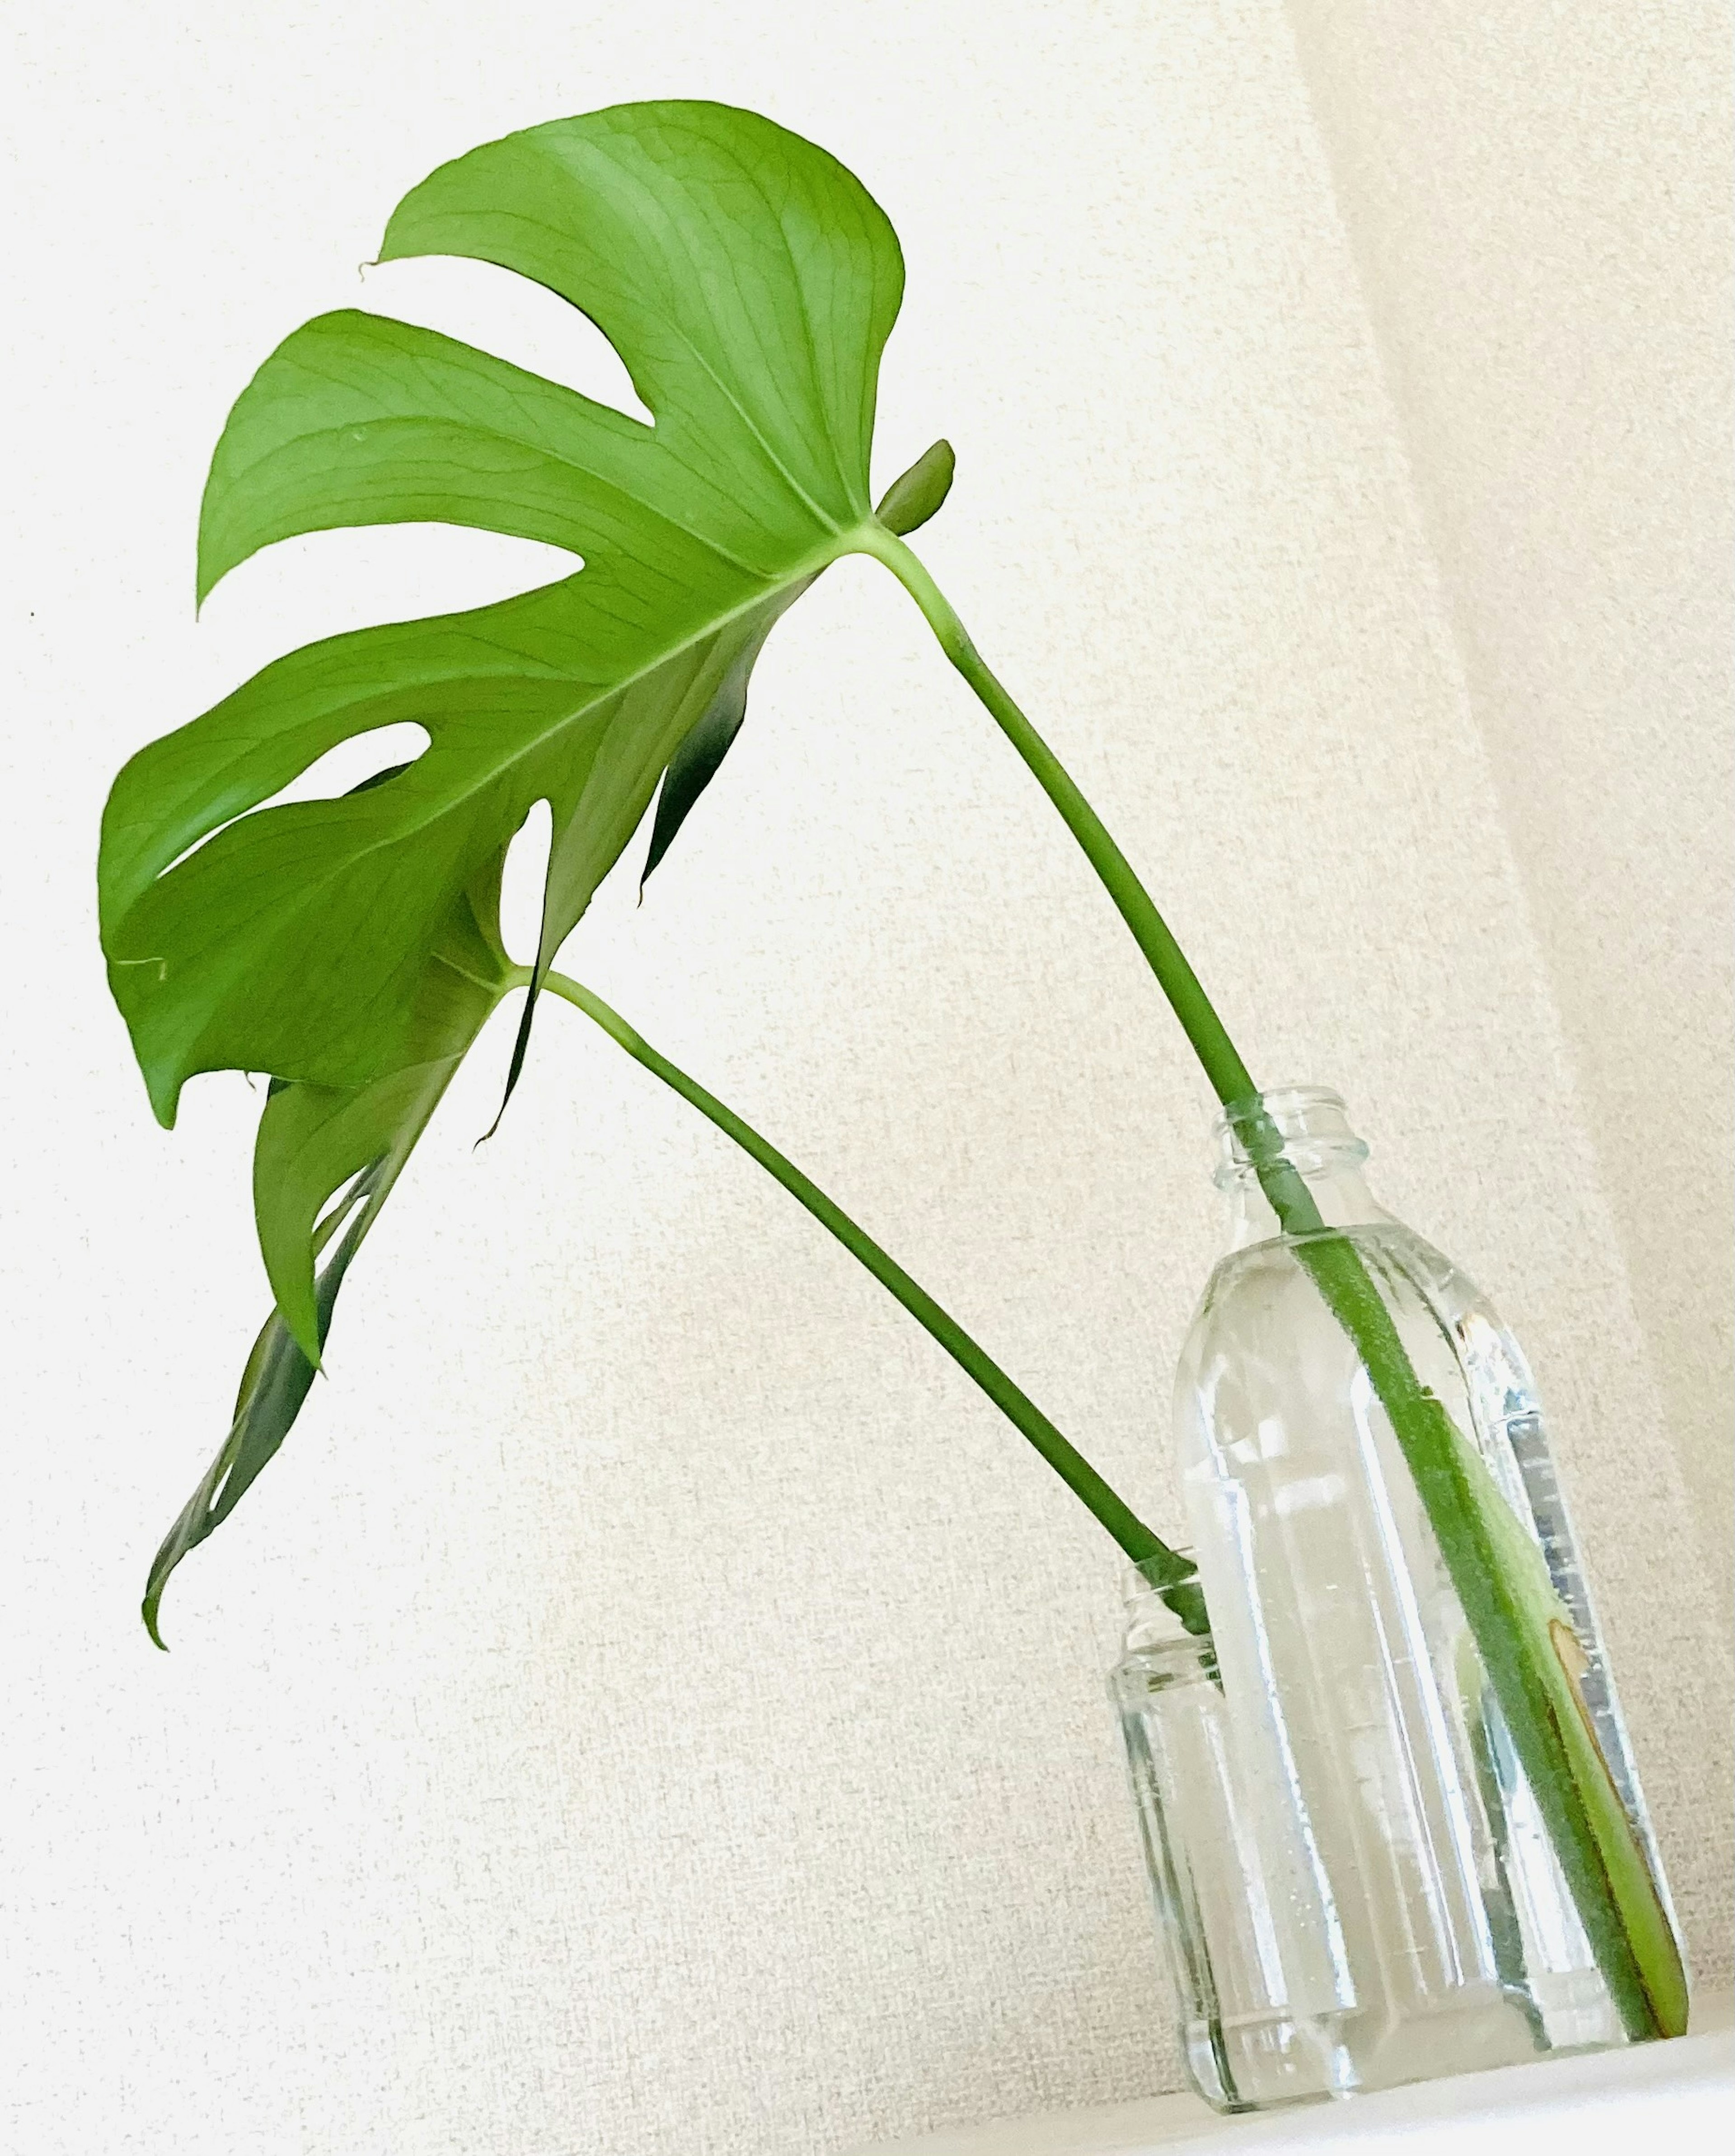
(653,1708)
(1538,199)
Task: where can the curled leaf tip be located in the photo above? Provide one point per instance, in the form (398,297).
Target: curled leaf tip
(916,495)
(520,1045)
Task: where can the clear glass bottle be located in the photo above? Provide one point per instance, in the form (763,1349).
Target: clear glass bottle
(1412,1918)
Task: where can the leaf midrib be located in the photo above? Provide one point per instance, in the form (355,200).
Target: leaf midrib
(532,746)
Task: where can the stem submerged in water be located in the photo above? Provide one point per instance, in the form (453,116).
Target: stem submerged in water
(1598,1852)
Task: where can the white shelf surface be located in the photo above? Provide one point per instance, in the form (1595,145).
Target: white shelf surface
(1672,2099)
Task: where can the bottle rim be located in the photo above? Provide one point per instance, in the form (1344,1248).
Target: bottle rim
(1282,1103)
(1310,1122)
(1137,1585)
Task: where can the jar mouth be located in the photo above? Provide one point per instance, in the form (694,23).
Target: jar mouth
(1310,1122)
(1283,1103)
(1150,1621)
(1138,1583)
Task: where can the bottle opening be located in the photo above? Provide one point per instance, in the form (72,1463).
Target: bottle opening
(1304,1125)
(1152,1621)
(1149,1577)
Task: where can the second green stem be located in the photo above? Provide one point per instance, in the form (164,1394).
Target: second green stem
(1170,1574)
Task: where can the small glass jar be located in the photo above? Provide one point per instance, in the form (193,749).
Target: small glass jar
(1245,2047)
(1351,1868)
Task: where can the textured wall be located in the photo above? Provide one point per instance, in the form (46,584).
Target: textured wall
(1538,199)
(652,1707)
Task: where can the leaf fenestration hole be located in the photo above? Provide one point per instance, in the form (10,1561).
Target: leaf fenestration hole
(511,317)
(522,885)
(320,583)
(340,770)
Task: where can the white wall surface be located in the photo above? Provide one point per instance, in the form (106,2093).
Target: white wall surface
(1538,199)
(651,1705)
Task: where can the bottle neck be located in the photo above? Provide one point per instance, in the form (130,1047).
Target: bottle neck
(1304,1127)
(1150,1624)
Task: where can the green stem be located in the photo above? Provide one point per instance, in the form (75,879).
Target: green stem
(1423,1429)
(1166,1570)
(1211,1043)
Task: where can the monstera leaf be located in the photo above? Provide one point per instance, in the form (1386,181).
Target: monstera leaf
(349,948)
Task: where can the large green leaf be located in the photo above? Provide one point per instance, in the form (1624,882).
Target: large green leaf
(748,283)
